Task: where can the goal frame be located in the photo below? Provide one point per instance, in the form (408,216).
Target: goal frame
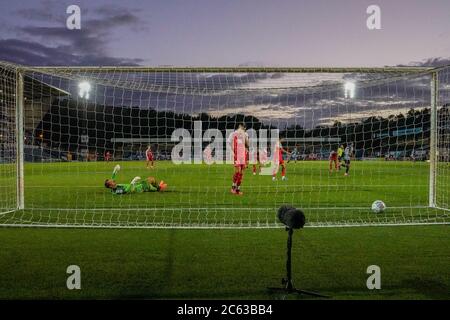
(21,71)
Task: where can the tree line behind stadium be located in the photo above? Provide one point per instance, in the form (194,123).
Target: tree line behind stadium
(68,128)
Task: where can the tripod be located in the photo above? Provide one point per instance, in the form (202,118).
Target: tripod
(287,282)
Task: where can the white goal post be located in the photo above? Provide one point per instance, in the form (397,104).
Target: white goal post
(64,129)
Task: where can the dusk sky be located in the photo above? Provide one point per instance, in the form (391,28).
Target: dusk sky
(308,33)
(225,32)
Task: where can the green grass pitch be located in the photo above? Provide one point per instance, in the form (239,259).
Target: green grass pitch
(217,263)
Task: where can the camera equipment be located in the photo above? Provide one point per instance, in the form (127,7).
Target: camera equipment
(292,218)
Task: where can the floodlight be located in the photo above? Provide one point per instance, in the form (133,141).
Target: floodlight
(84,89)
(349,90)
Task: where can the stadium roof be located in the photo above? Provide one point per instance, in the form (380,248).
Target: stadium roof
(37,89)
(34,88)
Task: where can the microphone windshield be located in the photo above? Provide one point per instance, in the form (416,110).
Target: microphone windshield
(291,217)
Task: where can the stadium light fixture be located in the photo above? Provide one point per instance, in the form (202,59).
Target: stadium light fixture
(349,90)
(84,89)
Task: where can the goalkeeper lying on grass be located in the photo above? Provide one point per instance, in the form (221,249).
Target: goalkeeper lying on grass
(136,185)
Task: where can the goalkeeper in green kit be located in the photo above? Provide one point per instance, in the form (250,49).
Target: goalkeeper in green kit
(135,186)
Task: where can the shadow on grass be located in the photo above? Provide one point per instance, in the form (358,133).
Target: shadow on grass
(432,289)
(169,269)
(262,294)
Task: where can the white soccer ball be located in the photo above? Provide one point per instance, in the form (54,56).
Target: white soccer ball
(378,206)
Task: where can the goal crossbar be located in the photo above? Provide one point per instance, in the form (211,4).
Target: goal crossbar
(235,69)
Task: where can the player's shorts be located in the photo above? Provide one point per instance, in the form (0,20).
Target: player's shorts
(239,165)
(333,158)
(240,160)
(149,157)
(347,162)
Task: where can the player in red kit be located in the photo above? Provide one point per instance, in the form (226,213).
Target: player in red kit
(334,159)
(258,163)
(247,158)
(107,156)
(279,161)
(239,146)
(149,156)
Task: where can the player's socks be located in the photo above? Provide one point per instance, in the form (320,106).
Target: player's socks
(235,178)
(239,180)
(238,184)
(233,186)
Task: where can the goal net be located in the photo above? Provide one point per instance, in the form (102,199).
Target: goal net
(328,141)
